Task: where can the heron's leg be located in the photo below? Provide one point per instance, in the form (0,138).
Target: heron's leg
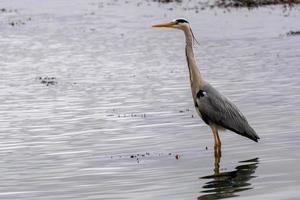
(217,163)
(217,142)
(216,136)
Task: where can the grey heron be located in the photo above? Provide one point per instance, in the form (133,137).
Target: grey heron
(215,109)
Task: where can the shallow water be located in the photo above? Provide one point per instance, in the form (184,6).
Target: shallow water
(118,121)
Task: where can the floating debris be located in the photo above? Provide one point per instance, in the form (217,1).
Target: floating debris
(293,33)
(204,4)
(5,10)
(47,80)
(128,115)
(186,110)
(253,3)
(168,1)
(138,156)
(15,19)
(19,22)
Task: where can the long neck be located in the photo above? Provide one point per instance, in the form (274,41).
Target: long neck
(196,79)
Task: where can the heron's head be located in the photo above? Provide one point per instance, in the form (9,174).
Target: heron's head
(180,23)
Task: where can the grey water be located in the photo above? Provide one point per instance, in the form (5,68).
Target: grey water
(96,104)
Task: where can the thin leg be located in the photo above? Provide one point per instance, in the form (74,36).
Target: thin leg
(217,162)
(217,142)
(216,136)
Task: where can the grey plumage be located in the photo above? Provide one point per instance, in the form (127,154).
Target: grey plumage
(216,110)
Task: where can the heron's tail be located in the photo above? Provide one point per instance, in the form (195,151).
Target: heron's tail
(246,130)
(251,134)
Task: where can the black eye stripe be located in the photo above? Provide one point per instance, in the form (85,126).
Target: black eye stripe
(181,21)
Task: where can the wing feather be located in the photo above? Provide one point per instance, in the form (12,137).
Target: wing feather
(216,109)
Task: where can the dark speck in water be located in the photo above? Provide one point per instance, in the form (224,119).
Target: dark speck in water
(293,33)
(47,80)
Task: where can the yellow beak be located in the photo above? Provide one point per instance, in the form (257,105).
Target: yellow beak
(166,24)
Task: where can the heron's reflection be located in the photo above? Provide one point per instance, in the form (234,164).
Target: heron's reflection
(222,185)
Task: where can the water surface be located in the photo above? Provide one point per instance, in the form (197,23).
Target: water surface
(119,111)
